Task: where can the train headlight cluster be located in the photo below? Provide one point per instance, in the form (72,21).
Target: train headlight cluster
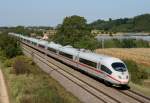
(127,76)
(119,77)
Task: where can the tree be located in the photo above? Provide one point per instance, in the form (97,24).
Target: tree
(110,19)
(9,45)
(74,31)
(139,23)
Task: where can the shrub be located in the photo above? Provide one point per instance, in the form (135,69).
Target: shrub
(87,43)
(142,43)
(136,74)
(20,66)
(9,46)
(8,63)
(2,57)
(109,43)
(126,43)
(11,51)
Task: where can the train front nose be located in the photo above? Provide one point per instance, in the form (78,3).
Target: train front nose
(124,79)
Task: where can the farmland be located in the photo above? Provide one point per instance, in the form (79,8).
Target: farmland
(139,55)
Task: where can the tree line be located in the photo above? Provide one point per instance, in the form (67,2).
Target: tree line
(139,23)
(125,43)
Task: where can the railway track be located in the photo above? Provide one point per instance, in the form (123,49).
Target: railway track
(94,90)
(135,95)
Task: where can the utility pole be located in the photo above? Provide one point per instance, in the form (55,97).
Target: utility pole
(102,43)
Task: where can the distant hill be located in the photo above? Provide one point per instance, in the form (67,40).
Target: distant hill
(139,23)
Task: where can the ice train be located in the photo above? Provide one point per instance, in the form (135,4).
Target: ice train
(112,70)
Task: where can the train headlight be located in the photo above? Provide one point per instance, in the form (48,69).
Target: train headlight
(119,77)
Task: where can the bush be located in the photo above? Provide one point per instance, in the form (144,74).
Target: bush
(9,46)
(142,43)
(87,43)
(136,74)
(2,57)
(126,43)
(11,51)
(8,63)
(20,66)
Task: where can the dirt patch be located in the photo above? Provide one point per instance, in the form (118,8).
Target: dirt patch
(3,90)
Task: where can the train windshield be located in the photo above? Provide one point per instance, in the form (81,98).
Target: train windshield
(119,67)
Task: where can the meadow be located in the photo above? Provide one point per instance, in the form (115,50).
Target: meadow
(139,55)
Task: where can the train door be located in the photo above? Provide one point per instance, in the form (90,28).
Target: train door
(46,47)
(99,69)
(103,72)
(76,59)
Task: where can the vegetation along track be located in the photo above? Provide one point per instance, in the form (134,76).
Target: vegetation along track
(97,92)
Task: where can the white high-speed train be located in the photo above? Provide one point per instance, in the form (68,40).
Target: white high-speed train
(111,70)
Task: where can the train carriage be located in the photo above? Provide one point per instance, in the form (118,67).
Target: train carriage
(53,50)
(69,55)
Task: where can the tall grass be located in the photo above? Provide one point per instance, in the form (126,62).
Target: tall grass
(35,86)
(137,74)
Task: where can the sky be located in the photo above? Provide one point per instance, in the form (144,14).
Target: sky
(52,12)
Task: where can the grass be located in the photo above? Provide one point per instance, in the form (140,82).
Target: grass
(35,87)
(137,73)
(144,87)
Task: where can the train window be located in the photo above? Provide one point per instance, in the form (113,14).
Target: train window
(119,67)
(42,46)
(28,41)
(87,62)
(105,69)
(33,43)
(66,55)
(52,50)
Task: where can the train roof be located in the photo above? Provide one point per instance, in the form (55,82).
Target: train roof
(98,57)
(42,42)
(54,45)
(70,50)
(34,40)
(38,41)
